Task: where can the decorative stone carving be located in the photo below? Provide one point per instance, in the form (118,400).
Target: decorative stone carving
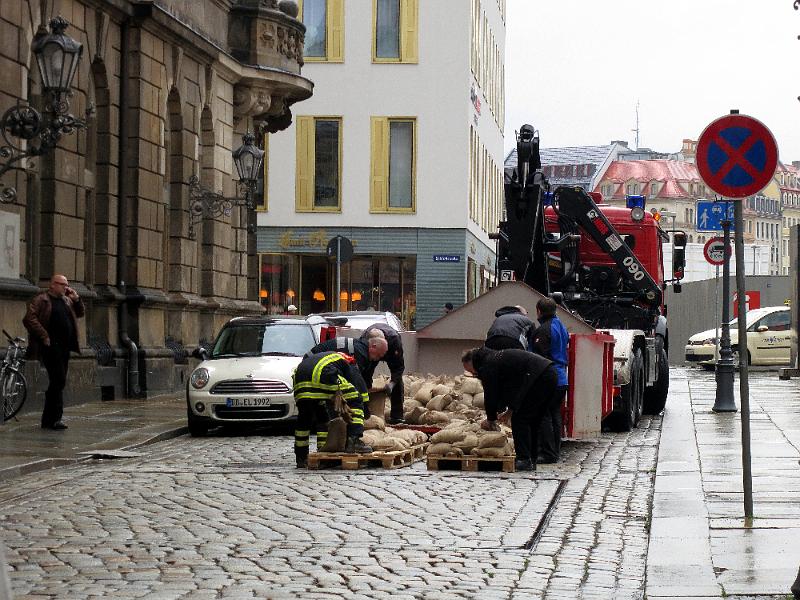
(251,101)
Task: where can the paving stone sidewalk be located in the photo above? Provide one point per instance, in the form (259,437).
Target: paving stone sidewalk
(700,544)
(93,427)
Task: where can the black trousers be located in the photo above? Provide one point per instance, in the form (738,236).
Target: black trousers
(56,361)
(396,400)
(550,428)
(526,419)
(311,414)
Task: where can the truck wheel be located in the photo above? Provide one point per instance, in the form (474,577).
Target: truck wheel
(197,427)
(655,398)
(632,396)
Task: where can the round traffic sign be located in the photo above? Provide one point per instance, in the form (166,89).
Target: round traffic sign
(336,244)
(714,251)
(737,156)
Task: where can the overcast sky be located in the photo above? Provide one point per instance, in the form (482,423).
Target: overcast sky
(575,69)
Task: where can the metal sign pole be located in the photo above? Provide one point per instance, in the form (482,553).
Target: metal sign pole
(338,273)
(723,401)
(716,311)
(744,383)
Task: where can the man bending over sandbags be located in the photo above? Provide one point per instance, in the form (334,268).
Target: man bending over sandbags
(521,383)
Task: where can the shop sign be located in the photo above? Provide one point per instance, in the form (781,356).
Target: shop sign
(313,239)
(447,258)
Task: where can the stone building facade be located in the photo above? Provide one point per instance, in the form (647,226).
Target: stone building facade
(173,85)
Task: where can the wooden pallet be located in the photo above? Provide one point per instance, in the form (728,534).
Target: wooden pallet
(389,459)
(471,463)
(429,429)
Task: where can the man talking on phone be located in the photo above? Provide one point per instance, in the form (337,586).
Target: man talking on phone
(52,324)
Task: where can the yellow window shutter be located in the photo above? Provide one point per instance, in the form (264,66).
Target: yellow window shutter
(409,26)
(335,24)
(379,165)
(304,173)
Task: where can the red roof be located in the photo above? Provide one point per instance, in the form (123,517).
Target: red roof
(670,174)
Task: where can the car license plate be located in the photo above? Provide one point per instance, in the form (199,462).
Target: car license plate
(246,402)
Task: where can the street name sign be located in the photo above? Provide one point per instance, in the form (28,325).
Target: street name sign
(714,251)
(737,156)
(710,215)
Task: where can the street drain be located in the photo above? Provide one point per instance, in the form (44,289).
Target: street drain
(548,513)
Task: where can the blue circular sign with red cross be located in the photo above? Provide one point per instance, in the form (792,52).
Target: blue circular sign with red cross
(737,156)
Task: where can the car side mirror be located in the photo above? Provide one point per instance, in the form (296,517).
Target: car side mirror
(200,353)
(762,329)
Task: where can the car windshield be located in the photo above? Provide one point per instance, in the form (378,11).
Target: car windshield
(263,339)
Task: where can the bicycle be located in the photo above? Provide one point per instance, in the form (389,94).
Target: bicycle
(13,386)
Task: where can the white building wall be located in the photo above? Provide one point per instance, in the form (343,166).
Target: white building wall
(756,259)
(436,91)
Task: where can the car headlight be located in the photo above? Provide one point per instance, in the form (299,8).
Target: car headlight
(199,378)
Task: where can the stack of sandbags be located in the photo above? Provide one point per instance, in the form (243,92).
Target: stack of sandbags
(468,439)
(440,400)
(387,439)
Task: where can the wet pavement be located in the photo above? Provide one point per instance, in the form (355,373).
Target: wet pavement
(93,427)
(654,513)
(700,543)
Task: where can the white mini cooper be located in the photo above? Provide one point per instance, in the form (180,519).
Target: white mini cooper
(247,376)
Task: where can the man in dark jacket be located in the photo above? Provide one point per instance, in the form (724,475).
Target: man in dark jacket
(550,340)
(365,352)
(394,360)
(511,329)
(52,324)
(519,382)
(318,380)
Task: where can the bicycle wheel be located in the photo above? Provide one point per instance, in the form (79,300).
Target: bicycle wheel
(14,390)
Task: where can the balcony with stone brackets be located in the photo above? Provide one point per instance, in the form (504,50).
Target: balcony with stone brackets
(267,40)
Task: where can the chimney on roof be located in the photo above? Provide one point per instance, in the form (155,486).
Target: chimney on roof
(620,142)
(689,148)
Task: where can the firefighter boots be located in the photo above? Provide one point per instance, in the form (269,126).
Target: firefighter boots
(356,446)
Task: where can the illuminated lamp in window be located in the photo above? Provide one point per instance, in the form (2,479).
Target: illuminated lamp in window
(263,294)
(318,295)
(343,295)
(356,296)
(290,293)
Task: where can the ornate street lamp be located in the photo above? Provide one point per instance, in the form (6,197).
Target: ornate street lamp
(205,204)
(57,57)
(248,159)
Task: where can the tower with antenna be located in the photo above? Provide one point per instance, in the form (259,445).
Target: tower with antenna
(636,130)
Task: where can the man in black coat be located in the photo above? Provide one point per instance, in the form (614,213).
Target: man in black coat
(394,360)
(512,328)
(520,383)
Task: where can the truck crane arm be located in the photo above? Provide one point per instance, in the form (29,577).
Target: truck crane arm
(576,204)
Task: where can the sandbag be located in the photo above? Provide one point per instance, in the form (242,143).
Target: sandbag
(471,385)
(443,449)
(490,452)
(492,439)
(416,414)
(414,386)
(388,443)
(409,435)
(439,402)
(441,389)
(467,398)
(468,444)
(375,422)
(370,437)
(448,436)
(424,393)
(477,400)
(434,417)
(337,436)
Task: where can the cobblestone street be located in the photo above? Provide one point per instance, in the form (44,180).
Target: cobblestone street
(229,516)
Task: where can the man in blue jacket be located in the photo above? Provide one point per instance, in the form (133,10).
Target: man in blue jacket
(550,340)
